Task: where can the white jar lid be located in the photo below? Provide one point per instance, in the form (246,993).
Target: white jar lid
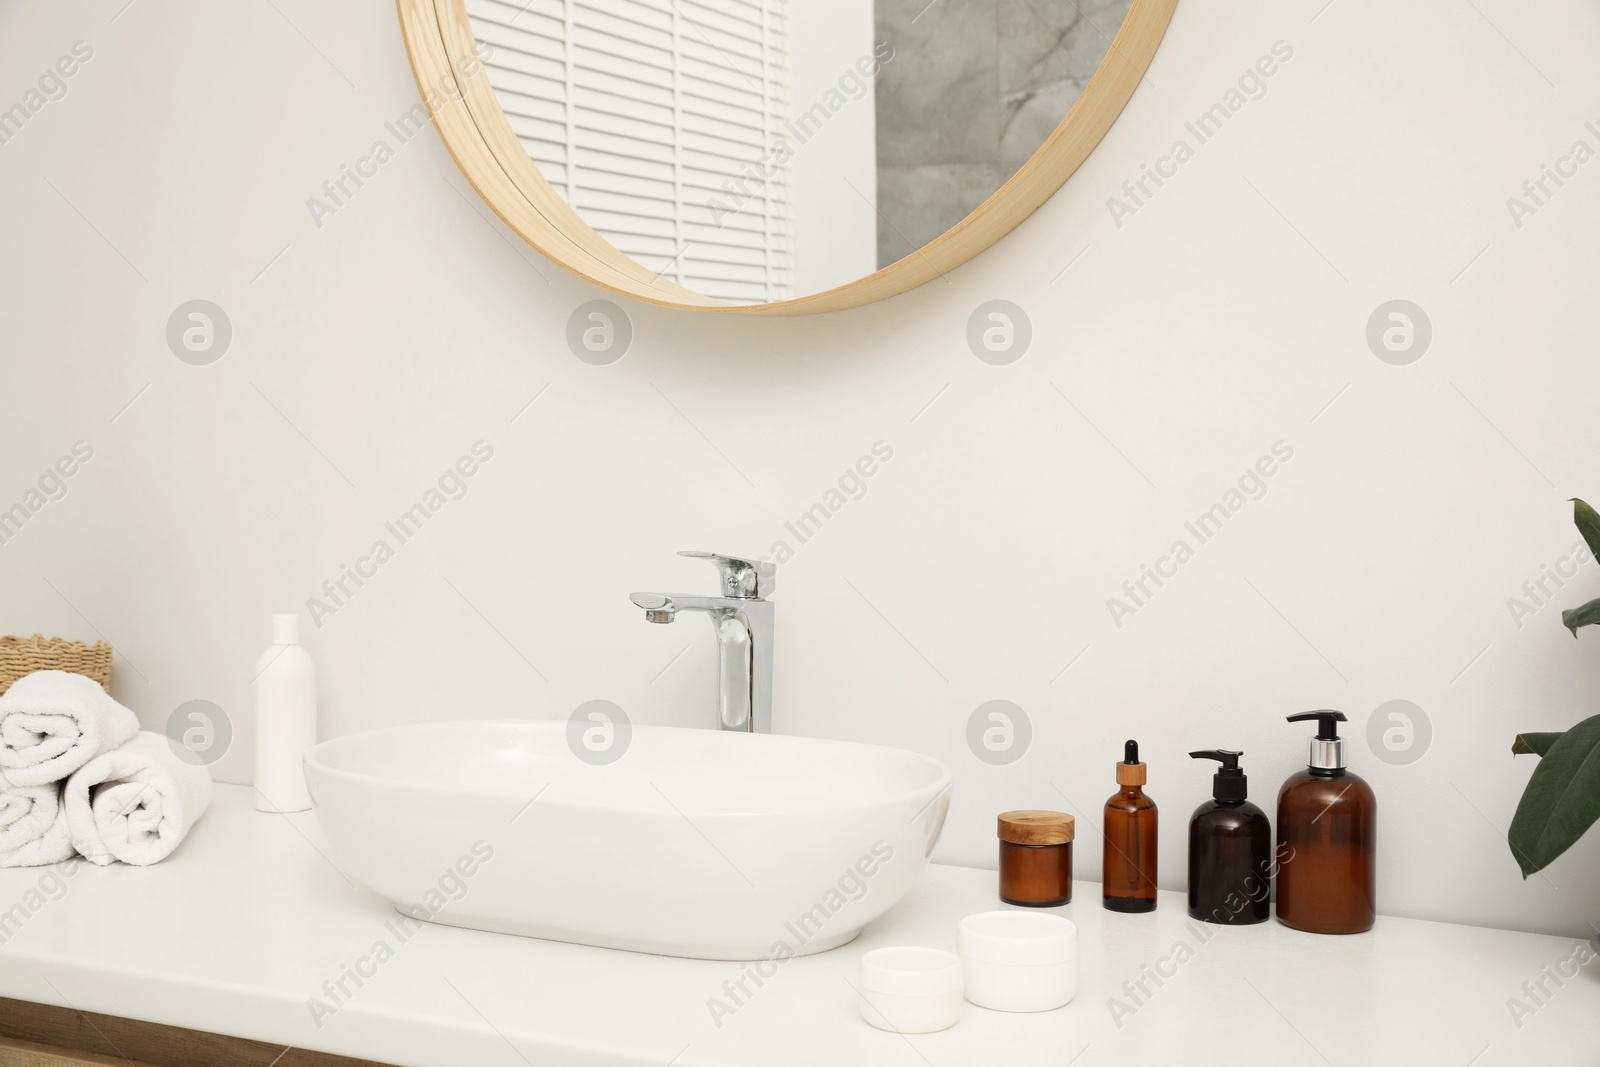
(1017,937)
(911,971)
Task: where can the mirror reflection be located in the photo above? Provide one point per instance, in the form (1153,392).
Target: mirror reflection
(758,150)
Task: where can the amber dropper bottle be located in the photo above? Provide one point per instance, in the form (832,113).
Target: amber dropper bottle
(1130,840)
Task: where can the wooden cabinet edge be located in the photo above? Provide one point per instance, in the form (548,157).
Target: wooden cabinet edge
(44,1035)
(15,1052)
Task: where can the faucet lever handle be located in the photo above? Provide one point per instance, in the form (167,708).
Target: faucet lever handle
(742,579)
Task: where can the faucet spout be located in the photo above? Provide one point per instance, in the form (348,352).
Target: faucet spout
(672,603)
(744,627)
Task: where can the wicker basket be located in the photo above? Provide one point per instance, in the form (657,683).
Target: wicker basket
(23,655)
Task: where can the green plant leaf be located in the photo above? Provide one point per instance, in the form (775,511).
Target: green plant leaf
(1534,744)
(1588,523)
(1587,615)
(1562,799)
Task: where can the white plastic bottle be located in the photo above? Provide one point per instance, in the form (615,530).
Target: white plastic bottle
(286,719)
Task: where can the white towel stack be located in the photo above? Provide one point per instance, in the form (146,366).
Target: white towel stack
(76,773)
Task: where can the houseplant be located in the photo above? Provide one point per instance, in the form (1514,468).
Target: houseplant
(1562,799)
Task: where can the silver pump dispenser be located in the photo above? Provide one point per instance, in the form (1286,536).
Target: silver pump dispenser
(1326,751)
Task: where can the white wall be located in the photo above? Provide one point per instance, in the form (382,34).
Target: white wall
(1222,317)
(836,229)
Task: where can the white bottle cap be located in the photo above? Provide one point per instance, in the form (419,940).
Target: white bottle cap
(286,629)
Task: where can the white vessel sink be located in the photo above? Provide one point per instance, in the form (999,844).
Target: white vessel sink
(694,843)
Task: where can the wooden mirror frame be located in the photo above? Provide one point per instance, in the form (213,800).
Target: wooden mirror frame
(479,137)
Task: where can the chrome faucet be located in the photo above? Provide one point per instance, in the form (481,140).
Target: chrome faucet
(742,620)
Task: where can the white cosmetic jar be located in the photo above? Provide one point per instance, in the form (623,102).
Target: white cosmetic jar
(910,990)
(1018,960)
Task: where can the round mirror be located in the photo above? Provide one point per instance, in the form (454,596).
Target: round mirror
(768,155)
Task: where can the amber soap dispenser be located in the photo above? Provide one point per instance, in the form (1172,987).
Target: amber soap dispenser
(1327,839)
(1129,860)
(1230,850)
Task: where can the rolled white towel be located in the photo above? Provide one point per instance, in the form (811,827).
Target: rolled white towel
(136,803)
(33,826)
(53,722)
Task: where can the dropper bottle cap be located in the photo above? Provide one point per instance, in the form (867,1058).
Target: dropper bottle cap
(1229,785)
(1327,748)
(1130,771)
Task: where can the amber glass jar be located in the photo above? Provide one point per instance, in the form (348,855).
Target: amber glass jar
(1036,858)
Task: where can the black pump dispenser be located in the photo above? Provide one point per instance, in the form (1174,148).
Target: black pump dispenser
(1230,849)
(1326,730)
(1325,758)
(1230,784)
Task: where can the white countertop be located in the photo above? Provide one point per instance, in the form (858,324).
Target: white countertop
(237,930)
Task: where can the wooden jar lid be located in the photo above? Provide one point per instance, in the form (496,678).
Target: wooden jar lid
(1036,827)
(1130,774)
